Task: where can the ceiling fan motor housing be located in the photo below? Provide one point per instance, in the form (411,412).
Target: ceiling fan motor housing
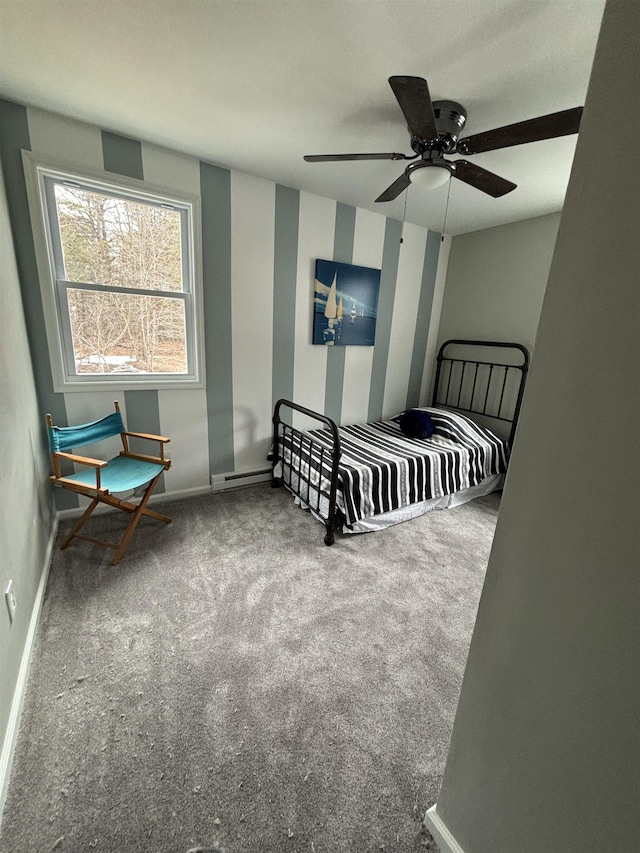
(450,118)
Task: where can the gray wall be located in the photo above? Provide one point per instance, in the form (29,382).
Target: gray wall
(496,279)
(26,518)
(544,752)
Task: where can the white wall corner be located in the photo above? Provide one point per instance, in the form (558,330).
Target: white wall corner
(10,735)
(443,838)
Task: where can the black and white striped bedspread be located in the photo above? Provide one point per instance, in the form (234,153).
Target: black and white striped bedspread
(381,469)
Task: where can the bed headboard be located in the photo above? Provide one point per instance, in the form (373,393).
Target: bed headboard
(483,378)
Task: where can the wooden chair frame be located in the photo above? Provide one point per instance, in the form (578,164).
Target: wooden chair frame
(99,494)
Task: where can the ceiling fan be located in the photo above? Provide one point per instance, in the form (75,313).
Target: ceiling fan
(435,127)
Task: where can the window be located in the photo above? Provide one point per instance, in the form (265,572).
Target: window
(119,278)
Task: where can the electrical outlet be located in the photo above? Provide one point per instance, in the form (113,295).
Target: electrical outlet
(10,598)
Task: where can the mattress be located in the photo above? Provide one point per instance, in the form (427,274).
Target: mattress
(382,470)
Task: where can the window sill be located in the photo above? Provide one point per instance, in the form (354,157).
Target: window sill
(124,383)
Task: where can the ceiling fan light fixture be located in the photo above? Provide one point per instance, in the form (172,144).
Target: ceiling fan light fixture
(428,175)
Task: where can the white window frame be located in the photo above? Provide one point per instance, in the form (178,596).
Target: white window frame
(38,174)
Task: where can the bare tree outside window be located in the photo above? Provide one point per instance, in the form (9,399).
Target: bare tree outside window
(114,242)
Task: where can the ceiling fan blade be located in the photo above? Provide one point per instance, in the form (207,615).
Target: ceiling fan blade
(412,93)
(395,189)
(325,158)
(482,179)
(543,127)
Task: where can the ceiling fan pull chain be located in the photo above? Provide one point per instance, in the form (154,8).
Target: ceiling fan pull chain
(446,210)
(404,215)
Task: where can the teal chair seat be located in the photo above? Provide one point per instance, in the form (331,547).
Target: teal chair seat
(121,474)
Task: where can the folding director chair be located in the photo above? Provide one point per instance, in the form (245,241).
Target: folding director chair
(123,473)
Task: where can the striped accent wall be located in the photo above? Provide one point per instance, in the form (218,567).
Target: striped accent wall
(259,243)
(123,156)
(336,356)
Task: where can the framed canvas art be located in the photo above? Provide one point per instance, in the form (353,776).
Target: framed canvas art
(345,304)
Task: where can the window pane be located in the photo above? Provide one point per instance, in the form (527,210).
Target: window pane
(116,241)
(123,333)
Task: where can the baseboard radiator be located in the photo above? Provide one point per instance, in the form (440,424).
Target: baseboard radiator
(235,480)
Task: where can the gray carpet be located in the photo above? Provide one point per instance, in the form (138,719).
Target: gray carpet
(233,684)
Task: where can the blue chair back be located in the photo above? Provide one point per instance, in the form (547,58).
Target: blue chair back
(66,438)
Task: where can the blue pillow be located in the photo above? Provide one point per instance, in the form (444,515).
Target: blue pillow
(415,423)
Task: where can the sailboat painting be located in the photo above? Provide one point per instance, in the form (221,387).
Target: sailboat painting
(345,304)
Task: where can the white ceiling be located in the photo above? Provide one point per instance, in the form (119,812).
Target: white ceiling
(255,85)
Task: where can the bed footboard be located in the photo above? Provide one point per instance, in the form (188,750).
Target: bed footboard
(313,475)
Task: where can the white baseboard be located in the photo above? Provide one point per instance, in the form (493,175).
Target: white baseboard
(8,745)
(176,494)
(444,839)
(76,512)
(219,483)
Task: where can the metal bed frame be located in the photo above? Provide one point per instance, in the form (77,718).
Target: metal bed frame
(486,393)
(284,433)
(489,385)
